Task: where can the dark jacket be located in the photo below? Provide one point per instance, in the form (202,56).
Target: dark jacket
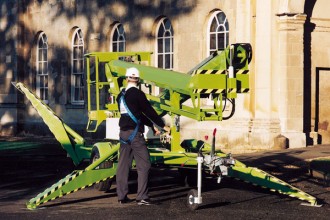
(140,107)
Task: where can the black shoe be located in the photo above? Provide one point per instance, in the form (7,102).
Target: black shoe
(125,200)
(144,202)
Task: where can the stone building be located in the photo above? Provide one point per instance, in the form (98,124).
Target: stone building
(43,42)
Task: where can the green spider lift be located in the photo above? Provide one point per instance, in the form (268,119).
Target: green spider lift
(220,77)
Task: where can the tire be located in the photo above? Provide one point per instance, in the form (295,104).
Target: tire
(103,185)
(192,194)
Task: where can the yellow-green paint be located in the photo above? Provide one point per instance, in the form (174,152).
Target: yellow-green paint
(209,77)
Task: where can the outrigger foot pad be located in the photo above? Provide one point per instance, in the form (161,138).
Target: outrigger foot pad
(312,205)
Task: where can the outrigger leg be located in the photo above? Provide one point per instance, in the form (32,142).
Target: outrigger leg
(265,180)
(77,180)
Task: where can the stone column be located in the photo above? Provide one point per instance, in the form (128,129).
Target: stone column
(291,77)
(265,124)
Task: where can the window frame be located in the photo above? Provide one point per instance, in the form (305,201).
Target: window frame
(42,89)
(79,60)
(117,29)
(225,25)
(162,24)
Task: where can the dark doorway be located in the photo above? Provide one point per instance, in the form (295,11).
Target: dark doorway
(322,104)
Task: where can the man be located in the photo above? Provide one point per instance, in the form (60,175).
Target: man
(136,112)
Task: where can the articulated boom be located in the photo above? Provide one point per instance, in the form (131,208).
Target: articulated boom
(219,78)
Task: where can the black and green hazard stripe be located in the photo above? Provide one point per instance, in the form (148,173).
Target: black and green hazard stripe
(208,72)
(263,179)
(242,77)
(73,182)
(209,91)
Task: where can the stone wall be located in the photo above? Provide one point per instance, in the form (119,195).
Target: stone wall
(290,65)
(8,67)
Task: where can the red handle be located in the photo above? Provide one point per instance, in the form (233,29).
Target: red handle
(214,131)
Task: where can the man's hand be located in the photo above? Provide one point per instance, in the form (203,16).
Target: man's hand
(167,129)
(156,130)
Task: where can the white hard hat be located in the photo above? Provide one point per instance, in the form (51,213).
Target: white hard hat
(133,72)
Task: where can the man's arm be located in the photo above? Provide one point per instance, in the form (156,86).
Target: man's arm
(149,112)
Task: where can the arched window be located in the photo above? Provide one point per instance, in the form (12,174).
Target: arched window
(77,67)
(164,45)
(218,32)
(42,67)
(118,39)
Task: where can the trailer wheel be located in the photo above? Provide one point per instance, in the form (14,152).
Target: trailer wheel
(104,185)
(192,194)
